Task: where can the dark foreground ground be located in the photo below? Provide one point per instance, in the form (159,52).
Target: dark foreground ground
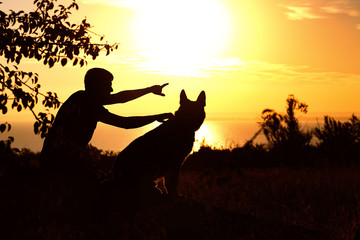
(225,194)
(35,206)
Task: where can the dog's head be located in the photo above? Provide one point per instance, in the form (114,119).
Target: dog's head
(191,113)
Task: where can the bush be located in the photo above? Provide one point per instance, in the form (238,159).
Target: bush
(283,131)
(339,140)
(7,153)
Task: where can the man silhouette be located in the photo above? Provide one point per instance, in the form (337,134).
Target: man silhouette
(77,118)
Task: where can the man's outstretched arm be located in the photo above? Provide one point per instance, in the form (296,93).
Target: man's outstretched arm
(133,122)
(128,95)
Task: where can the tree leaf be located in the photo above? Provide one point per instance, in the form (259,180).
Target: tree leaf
(51,62)
(63,62)
(2,127)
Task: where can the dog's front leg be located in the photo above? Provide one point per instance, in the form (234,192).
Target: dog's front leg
(171,181)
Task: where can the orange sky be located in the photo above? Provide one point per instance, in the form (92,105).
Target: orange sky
(246,55)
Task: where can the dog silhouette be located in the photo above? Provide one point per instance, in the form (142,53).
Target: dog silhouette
(160,152)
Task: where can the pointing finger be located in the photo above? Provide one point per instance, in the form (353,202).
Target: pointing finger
(164,85)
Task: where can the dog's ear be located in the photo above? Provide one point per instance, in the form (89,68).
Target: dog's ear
(183,97)
(202,99)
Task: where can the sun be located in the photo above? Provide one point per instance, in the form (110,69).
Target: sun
(180,30)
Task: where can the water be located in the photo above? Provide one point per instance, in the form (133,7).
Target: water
(214,133)
(227,134)
(220,134)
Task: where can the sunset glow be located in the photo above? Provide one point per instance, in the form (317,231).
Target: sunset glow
(246,55)
(151,119)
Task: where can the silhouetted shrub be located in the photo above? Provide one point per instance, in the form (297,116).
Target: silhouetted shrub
(11,157)
(98,162)
(252,156)
(7,153)
(208,159)
(283,131)
(339,140)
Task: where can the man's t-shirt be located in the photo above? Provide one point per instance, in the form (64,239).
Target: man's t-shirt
(71,131)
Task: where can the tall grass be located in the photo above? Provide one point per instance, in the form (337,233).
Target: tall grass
(325,199)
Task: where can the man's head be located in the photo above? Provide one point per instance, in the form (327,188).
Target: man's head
(98,82)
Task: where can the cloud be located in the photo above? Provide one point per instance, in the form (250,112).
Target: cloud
(266,72)
(317,9)
(189,67)
(350,8)
(234,68)
(300,12)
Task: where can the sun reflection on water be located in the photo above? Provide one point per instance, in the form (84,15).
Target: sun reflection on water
(206,135)
(225,134)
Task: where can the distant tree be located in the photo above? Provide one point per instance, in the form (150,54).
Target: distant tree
(283,130)
(46,35)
